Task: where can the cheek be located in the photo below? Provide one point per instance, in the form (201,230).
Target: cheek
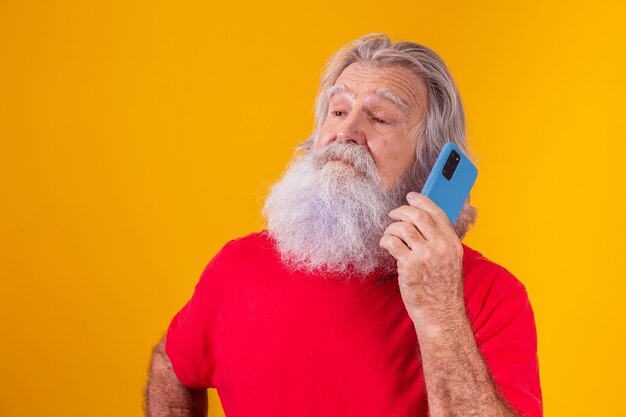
(392,157)
(384,152)
(324,137)
(383,157)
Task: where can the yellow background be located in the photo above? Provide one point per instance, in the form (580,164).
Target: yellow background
(138,137)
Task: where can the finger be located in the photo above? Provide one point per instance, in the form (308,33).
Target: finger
(420,201)
(394,246)
(406,232)
(420,219)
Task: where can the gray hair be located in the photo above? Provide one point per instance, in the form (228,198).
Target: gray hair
(445,118)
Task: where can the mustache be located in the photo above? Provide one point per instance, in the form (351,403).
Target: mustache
(357,156)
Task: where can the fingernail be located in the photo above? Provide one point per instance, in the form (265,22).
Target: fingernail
(412,196)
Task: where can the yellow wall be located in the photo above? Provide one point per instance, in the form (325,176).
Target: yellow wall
(137,137)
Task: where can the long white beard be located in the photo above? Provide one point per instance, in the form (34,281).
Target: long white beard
(328,216)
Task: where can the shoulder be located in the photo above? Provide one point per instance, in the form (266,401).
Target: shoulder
(250,246)
(490,287)
(249,241)
(245,254)
(480,271)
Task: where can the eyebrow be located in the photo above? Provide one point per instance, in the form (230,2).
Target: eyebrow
(339,89)
(389,95)
(384,93)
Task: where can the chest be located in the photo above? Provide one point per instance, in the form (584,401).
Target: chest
(349,344)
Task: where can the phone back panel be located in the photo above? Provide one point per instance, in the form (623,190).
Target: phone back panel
(450,194)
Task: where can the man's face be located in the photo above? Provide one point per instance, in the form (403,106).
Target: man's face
(376,108)
(332,205)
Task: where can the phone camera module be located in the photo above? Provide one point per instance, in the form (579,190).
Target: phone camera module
(451,163)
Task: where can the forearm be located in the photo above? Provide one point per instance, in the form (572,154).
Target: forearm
(457,380)
(166,396)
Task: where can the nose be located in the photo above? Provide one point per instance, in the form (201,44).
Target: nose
(346,139)
(350,130)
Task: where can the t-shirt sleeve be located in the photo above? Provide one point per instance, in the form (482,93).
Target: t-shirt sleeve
(189,342)
(507,339)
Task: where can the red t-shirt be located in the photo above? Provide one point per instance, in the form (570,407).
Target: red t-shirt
(280,343)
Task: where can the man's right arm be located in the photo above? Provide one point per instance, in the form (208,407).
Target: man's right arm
(166,396)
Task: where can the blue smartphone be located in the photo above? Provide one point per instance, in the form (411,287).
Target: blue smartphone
(450,180)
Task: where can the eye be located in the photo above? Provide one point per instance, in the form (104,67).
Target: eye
(337,113)
(379,120)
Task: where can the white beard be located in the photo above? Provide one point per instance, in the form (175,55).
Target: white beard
(328,216)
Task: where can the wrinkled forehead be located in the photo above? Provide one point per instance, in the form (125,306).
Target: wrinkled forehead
(396,84)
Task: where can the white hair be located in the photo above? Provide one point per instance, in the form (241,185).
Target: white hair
(445,118)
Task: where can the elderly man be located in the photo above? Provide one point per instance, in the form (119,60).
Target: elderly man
(359,299)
